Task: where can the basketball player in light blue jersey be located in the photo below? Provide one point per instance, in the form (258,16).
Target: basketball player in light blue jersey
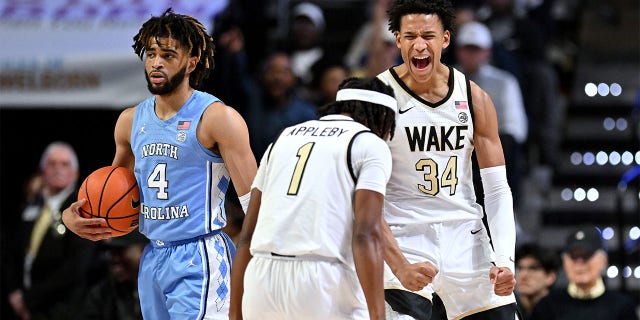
(185,146)
(430,205)
(311,244)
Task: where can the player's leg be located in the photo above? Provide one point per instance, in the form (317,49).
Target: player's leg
(507,312)
(151,297)
(194,277)
(463,281)
(438,311)
(402,304)
(419,243)
(219,251)
(292,288)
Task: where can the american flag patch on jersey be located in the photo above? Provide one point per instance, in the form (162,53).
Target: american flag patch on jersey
(461,105)
(184,125)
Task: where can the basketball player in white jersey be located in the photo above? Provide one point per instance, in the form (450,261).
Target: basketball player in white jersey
(430,204)
(311,244)
(184,146)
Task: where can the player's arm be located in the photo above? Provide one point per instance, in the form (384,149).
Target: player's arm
(243,255)
(368,253)
(223,129)
(371,160)
(413,276)
(122,135)
(89,228)
(498,200)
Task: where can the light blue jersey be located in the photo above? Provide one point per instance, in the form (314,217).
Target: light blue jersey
(184,272)
(182,184)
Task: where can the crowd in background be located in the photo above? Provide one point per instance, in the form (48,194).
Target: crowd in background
(508,45)
(275,82)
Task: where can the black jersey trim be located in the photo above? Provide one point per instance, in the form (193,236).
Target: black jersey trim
(450,83)
(470,102)
(349,164)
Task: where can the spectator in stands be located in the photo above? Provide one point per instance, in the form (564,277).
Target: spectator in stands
(520,46)
(584,260)
(274,102)
(226,82)
(50,265)
(116,296)
(373,49)
(327,73)
(473,53)
(536,272)
(306,36)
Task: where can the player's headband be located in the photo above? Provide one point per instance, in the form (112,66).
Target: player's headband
(368,96)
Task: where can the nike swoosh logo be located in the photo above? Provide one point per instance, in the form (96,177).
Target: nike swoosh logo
(475,231)
(134,203)
(405,110)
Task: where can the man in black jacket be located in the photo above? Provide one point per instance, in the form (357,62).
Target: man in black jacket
(586,297)
(49,264)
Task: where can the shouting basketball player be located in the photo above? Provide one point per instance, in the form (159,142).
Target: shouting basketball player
(184,146)
(430,204)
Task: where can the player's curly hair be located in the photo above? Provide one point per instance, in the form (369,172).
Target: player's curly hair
(185,29)
(379,118)
(442,8)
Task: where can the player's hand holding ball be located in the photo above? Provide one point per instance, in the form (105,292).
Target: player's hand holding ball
(108,205)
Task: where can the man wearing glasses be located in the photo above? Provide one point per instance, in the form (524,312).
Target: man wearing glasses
(584,260)
(536,271)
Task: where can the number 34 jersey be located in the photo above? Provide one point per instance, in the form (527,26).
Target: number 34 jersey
(308,177)
(182,184)
(432,146)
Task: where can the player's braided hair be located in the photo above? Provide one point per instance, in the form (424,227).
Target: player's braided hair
(379,118)
(185,29)
(442,8)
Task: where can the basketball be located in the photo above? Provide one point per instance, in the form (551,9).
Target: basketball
(112,193)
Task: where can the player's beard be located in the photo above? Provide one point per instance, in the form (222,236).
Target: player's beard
(169,86)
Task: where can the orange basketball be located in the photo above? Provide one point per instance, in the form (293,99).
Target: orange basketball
(112,193)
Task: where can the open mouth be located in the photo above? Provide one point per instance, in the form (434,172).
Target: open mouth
(421,62)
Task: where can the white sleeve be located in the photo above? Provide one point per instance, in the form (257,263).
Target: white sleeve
(498,204)
(371,160)
(258,181)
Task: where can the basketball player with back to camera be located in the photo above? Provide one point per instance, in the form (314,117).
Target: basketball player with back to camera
(315,215)
(184,146)
(430,204)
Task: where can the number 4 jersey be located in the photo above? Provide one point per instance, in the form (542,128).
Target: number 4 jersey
(432,146)
(182,184)
(308,177)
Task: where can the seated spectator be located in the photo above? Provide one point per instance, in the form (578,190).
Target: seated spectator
(584,260)
(536,272)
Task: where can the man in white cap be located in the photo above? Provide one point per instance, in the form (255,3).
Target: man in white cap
(306,33)
(473,54)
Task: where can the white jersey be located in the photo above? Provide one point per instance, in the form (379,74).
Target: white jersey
(308,178)
(431,148)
